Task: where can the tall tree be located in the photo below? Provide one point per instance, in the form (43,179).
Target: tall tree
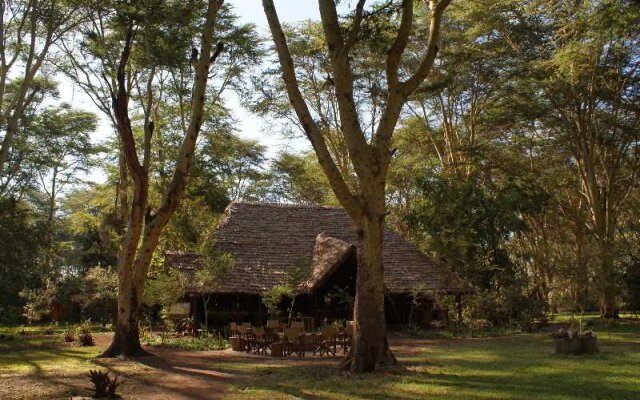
(64,147)
(369,153)
(28,31)
(153,38)
(592,88)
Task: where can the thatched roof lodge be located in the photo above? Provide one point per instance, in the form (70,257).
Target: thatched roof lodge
(271,242)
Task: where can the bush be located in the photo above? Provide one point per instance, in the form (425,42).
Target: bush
(501,308)
(38,301)
(10,314)
(98,297)
(70,335)
(104,385)
(85,337)
(273,297)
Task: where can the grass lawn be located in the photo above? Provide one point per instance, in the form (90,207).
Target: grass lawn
(507,367)
(511,367)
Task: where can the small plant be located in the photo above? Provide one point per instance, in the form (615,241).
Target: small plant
(85,336)
(86,339)
(51,328)
(273,297)
(105,386)
(185,325)
(169,328)
(70,335)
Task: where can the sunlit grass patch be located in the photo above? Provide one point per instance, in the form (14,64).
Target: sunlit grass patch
(40,354)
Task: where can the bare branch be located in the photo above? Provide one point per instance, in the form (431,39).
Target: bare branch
(355,139)
(352,36)
(314,134)
(437,8)
(396,50)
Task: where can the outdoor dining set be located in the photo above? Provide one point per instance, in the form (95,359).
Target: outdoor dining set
(280,340)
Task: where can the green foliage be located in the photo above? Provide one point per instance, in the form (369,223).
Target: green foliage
(504,307)
(99,293)
(214,266)
(164,287)
(299,179)
(204,342)
(21,231)
(273,298)
(468,224)
(38,302)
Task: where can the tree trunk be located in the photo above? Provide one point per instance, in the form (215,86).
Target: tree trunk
(609,291)
(126,341)
(134,258)
(205,302)
(370,349)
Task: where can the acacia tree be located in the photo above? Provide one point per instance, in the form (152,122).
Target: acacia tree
(369,154)
(141,30)
(592,89)
(28,31)
(64,150)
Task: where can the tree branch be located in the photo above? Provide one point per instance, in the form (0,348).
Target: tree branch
(394,55)
(437,8)
(352,36)
(355,139)
(314,134)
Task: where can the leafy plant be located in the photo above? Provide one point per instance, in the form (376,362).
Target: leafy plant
(85,337)
(105,386)
(38,302)
(273,297)
(69,335)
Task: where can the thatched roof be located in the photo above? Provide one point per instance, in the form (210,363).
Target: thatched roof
(329,254)
(270,241)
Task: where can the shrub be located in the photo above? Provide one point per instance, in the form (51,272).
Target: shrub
(185,325)
(98,297)
(105,386)
(70,335)
(85,337)
(501,308)
(38,301)
(273,297)
(10,314)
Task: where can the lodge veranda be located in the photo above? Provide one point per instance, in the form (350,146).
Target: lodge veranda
(298,338)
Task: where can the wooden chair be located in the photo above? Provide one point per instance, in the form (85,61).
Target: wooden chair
(260,340)
(292,342)
(346,337)
(245,335)
(233,329)
(273,324)
(328,341)
(297,325)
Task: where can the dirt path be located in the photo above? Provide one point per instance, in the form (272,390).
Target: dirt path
(164,374)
